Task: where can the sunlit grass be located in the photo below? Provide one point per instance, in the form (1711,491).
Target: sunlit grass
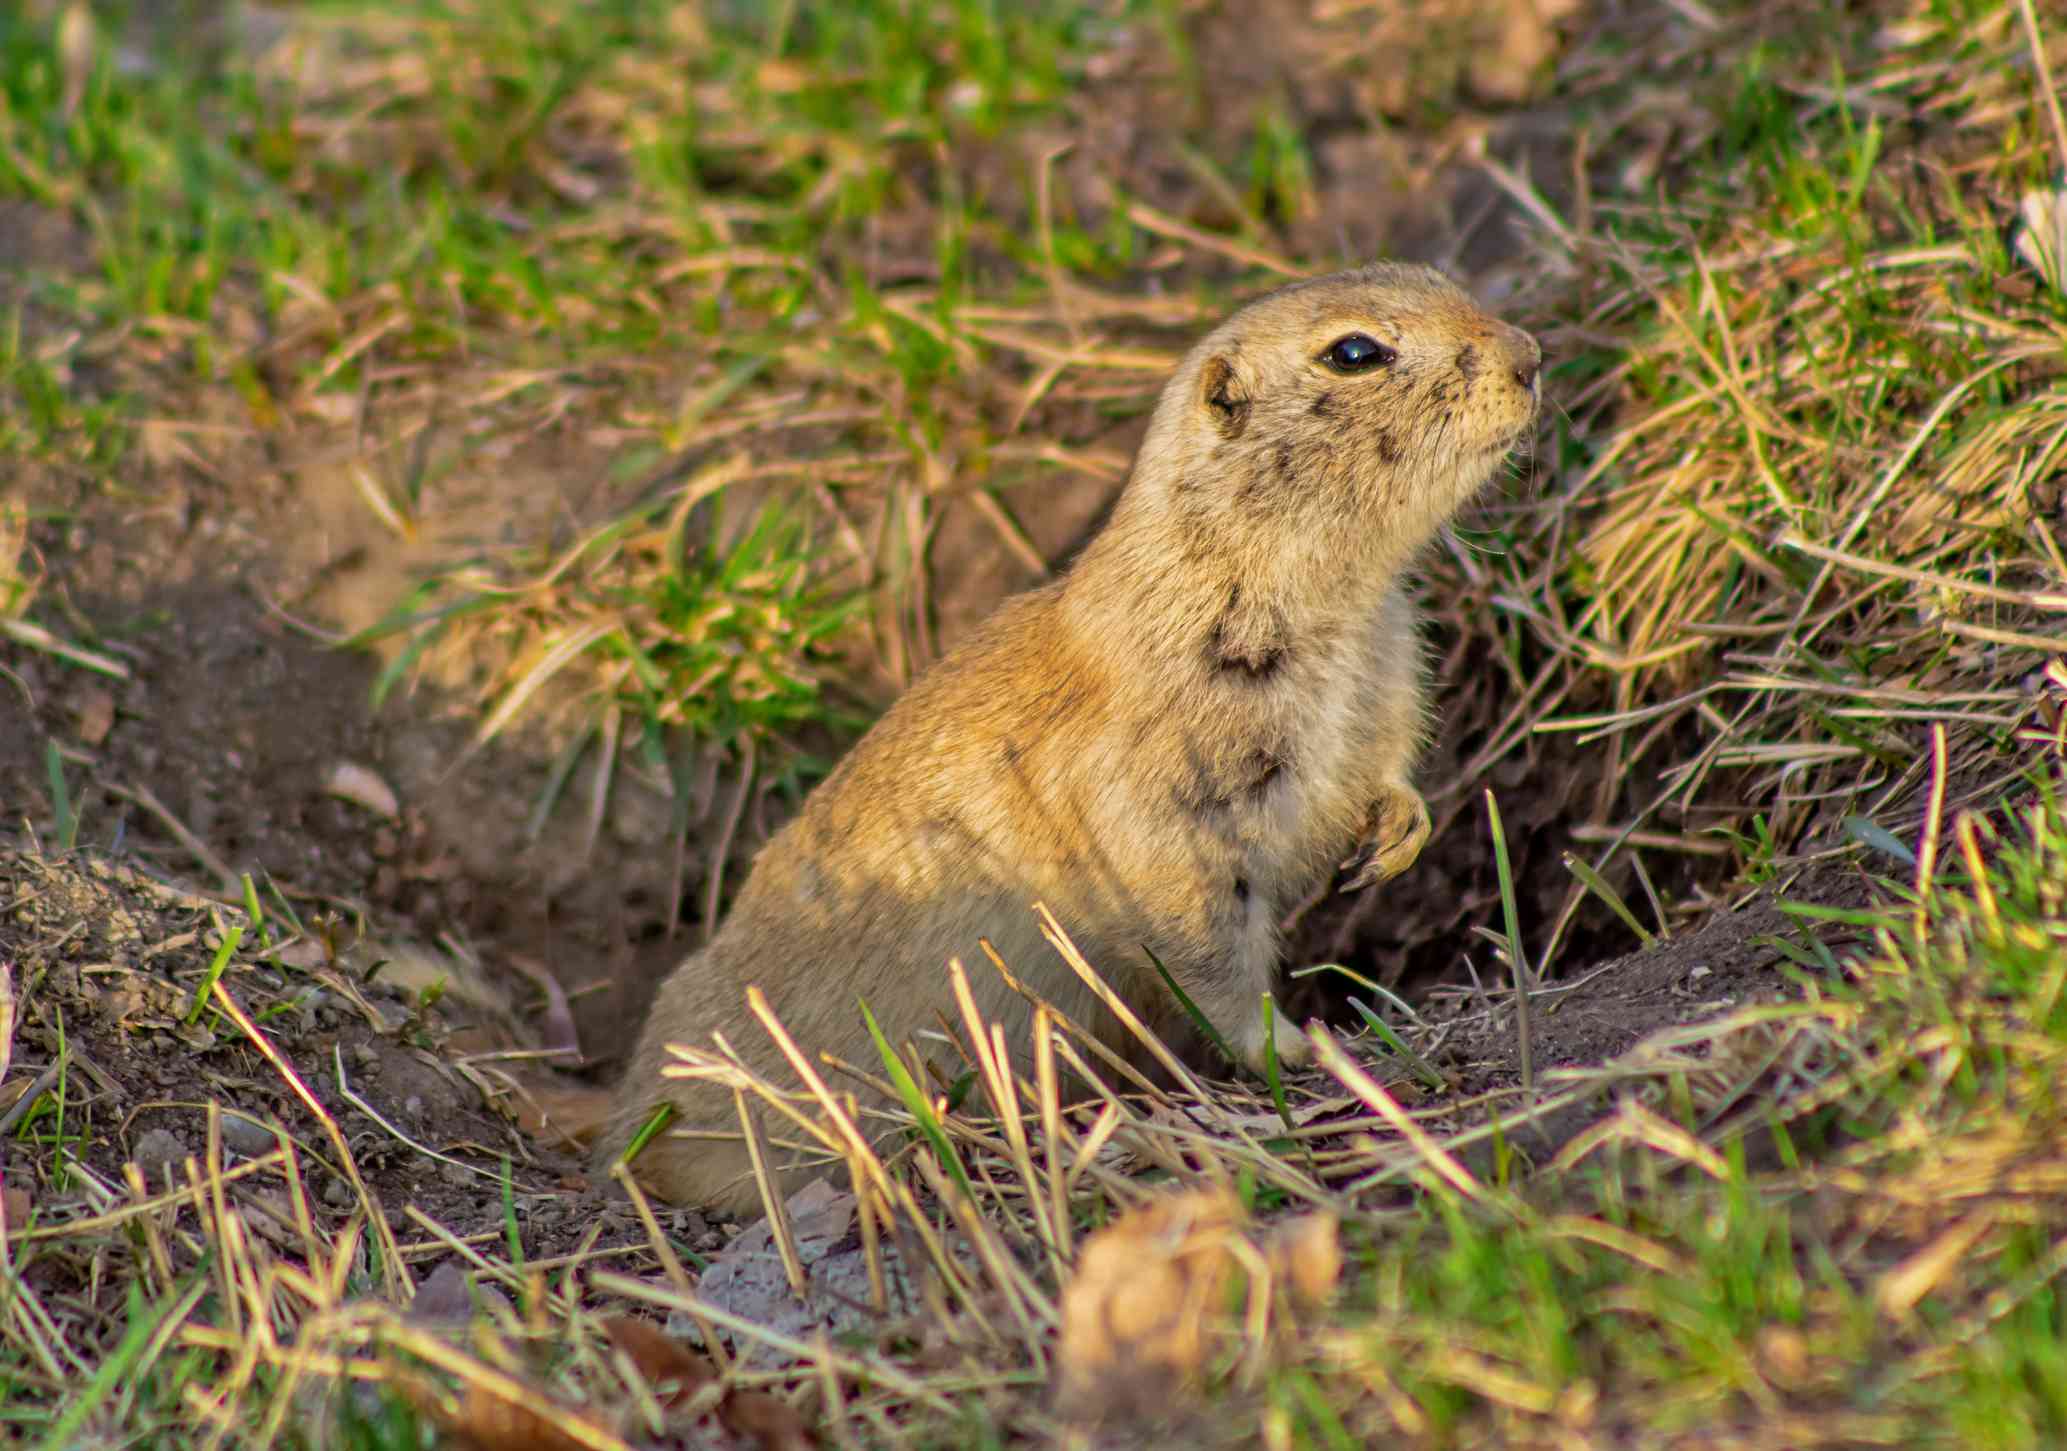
(1792,592)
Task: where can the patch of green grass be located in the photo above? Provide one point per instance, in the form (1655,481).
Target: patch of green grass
(1907,1280)
(43,418)
(389,1423)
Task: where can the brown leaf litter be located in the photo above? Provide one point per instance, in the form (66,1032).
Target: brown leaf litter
(1150,1304)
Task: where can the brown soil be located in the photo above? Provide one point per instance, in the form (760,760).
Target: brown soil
(110,975)
(1602,1010)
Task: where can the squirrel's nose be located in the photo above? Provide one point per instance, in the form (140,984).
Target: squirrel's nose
(1524,356)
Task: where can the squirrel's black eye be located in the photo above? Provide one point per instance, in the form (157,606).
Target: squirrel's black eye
(1357,352)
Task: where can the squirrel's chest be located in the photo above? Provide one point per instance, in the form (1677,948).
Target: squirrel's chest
(1320,737)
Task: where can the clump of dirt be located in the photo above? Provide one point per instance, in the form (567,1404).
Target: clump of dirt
(1726,962)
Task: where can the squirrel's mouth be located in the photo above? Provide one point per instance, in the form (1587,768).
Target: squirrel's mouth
(1514,436)
(1525,426)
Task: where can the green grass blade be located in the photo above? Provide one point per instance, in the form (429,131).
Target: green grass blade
(1800,957)
(215,971)
(915,1101)
(1848,916)
(256,911)
(1515,953)
(556,778)
(285,908)
(1869,833)
(1370,985)
(1198,1016)
(655,1125)
(512,1237)
(1270,1061)
(1597,884)
(1422,1068)
(60,797)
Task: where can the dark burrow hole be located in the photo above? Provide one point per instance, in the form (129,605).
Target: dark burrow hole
(1415,933)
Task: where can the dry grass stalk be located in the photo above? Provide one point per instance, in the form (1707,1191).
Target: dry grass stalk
(391,1260)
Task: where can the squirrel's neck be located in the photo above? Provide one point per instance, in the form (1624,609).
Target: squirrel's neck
(1161,582)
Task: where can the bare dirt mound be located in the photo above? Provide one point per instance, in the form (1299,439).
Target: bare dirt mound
(157,1033)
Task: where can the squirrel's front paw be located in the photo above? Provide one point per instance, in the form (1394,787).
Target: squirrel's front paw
(1288,1038)
(1396,831)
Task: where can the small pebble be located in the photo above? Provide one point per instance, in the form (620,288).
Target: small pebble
(158,1148)
(338,1194)
(443,1295)
(247,1136)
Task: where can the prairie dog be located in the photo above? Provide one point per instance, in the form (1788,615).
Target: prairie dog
(1168,744)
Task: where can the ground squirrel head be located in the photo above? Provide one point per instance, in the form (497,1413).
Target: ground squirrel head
(1375,399)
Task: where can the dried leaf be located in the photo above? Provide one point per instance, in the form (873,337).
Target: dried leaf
(492,1424)
(484,1421)
(560,1113)
(12,1090)
(1149,1303)
(1268,1125)
(415,969)
(305,953)
(675,1371)
(93,715)
(762,1417)
(361,786)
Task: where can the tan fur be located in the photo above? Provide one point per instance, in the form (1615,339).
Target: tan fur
(1168,745)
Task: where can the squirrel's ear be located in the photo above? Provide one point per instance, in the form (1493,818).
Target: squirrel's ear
(1224,393)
